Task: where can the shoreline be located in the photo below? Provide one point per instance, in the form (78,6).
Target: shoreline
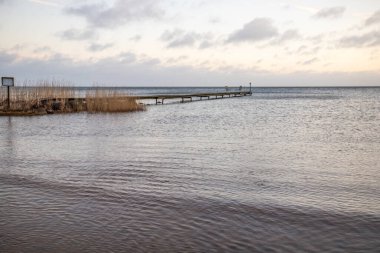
(56,100)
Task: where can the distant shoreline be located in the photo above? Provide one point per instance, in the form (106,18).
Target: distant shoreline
(204,87)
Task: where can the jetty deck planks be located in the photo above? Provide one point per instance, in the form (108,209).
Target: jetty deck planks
(190,97)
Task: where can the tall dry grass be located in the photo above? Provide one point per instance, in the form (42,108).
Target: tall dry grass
(29,95)
(48,95)
(101,100)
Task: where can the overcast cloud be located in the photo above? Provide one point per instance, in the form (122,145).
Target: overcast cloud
(180,38)
(95,47)
(77,34)
(122,12)
(166,42)
(370,39)
(374,19)
(145,72)
(257,30)
(334,12)
(288,35)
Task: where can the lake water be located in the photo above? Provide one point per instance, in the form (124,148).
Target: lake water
(285,170)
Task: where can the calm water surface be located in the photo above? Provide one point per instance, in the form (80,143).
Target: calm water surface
(286,170)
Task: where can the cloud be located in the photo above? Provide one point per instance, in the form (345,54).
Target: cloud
(288,35)
(95,47)
(130,70)
(7,2)
(120,13)
(77,34)
(44,49)
(305,50)
(374,19)
(123,69)
(309,62)
(136,38)
(205,44)
(179,38)
(369,39)
(334,12)
(257,30)
(305,8)
(7,58)
(46,3)
(127,57)
(215,20)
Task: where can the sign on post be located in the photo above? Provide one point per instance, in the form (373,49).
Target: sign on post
(8,81)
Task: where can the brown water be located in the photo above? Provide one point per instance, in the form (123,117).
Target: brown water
(286,170)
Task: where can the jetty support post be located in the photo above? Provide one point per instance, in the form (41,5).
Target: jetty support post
(250,88)
(9,98)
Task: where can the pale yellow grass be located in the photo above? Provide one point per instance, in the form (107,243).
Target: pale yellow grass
(102,100)
(40,96)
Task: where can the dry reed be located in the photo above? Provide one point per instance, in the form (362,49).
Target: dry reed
(57,96)
(101,100)
(29,95)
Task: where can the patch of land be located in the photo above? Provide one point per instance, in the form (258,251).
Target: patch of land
(29,101)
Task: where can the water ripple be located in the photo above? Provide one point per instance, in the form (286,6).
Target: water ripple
(282,171)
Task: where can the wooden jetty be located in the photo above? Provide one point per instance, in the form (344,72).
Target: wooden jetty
(193,96)
(80,103)
(108,102)
(158,98)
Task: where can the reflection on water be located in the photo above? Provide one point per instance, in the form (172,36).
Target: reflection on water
(286,170)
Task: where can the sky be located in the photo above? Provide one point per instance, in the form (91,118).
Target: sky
(192,43)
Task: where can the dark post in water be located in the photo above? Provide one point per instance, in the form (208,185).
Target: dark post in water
(8,81)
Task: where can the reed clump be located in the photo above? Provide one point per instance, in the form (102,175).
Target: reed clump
(47,97)
(36,97)
(101,100)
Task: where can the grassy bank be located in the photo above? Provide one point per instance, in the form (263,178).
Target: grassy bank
(52,97)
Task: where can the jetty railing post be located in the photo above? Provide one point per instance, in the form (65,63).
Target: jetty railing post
(182,98)
(250,88)
(9,99)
